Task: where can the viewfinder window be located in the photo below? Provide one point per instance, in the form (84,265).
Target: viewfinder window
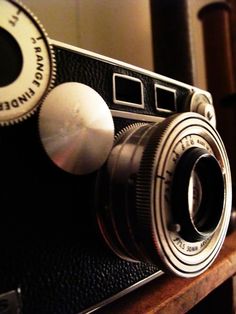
(127,90)
(165,98)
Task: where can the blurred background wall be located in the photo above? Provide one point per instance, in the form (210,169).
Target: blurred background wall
(116,28)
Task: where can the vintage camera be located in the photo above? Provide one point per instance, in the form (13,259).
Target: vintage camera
(110,174)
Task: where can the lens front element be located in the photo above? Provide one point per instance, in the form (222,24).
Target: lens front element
(198,194)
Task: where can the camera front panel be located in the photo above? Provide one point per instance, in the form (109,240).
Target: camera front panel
(95,153)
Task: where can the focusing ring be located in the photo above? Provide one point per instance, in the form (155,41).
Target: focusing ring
(159,222)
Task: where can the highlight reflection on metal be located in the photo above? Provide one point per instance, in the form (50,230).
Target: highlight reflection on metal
(76,128)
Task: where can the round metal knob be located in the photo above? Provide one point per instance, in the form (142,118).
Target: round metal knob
(76,128)
(203,105)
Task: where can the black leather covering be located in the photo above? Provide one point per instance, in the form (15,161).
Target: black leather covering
(50,246)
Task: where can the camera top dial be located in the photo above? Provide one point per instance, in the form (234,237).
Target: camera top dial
(76,128)
(26,63)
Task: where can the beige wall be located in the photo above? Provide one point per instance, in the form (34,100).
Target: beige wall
(116,28)
(59,18)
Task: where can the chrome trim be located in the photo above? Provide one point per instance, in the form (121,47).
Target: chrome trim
(172,90)
(122,293)
(136,116)
(126,65)
(126,103)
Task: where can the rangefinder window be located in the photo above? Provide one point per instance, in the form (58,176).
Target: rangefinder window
(165,98)
(127,91)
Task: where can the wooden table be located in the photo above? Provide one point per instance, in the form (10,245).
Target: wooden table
(215,288)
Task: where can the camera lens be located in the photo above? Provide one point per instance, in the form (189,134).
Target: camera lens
(166,194)
(11,59)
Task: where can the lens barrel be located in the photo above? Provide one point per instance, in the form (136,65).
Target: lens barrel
(166,196)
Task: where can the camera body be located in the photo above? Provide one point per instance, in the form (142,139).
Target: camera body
(83,226)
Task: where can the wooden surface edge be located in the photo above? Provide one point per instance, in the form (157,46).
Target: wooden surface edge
(169,294)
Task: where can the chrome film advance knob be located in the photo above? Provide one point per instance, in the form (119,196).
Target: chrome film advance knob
(76,128)
(27,67)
